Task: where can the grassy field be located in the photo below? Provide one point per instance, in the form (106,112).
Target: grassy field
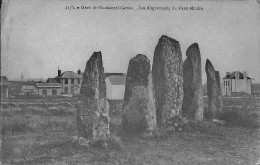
(43,134)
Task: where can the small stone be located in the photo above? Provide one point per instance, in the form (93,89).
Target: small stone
(104,145)
(75,139)
(83,142)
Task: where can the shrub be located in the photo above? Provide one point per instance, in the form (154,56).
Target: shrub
(15,124)
(241,118)
(20,123)
(114,142)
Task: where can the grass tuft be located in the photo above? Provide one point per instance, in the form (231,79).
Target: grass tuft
(235,117)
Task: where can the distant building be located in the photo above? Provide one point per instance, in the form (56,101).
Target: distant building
(29,90)
(69,80)
(255,90)
(15,88)
(115,86)
(4,86)
(236,82)
(49,89)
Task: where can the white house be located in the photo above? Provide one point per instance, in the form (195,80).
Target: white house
(69,80)
(49,89)
(115,87)
(236,82)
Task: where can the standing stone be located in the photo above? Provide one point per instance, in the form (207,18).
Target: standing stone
(168,78)
(1,141)
(93,107)
(139,114)
(219,90)
(218,79)
(214,94)
(192,106)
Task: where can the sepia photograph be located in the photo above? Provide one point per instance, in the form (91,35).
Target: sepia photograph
(122,82)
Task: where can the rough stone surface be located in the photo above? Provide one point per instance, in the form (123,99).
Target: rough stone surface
(93,107)
(214,95)
(218,79)
(192,106)
(168,78)
(1,142)
(139,114)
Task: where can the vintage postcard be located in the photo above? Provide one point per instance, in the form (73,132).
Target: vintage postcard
(130,82)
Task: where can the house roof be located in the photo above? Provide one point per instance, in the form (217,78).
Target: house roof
(70,74)
(114,74)
(4,80)
(53,80)
(232,76)
(48,85)
(28,87)
(255,88)
(117,80)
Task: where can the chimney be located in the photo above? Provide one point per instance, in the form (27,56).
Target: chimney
(59,72)
(227,74)
(236,74)
(79,72)
(245,75)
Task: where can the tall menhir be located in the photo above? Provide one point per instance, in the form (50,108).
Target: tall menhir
(93,107)
(214,93)
(139,114)
(168,78)
(192,106)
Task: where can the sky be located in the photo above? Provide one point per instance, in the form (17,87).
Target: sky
(39,36)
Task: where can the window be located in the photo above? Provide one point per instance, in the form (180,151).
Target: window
(54,92)
(72,90)
(44,92)
(72,81)
(78,81)
(66,81)
(229,83)
(66,89)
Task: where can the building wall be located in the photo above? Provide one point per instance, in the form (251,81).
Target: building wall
(109,89)
(226,88)
(49,91)
(69,85)
(76,90)
(114,92)
(236,85)
(241,85)
(118,92)
(32,91)
(249,86)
